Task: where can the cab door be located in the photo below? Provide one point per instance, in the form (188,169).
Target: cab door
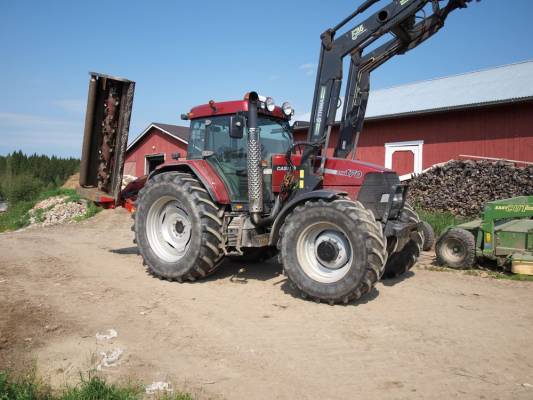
(211,141)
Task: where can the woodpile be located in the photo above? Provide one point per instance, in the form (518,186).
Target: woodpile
(463,187)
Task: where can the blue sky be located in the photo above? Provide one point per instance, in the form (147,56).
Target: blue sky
(184,53)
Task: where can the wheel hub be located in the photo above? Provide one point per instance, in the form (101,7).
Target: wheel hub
(454,250)
(332,249)
(327,251)
(168,228)
(179,227)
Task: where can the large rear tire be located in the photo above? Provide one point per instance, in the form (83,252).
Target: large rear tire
(456,248)
(178,228)
(402,261)
(333,252)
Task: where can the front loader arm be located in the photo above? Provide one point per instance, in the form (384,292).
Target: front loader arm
(398,19)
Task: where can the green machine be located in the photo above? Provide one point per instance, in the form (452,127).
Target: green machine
(504,234)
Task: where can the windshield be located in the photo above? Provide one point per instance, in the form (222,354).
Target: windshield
(276,138)
(210,139)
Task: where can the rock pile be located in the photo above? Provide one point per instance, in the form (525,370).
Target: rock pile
(463,187)
(126,179)
(56,210)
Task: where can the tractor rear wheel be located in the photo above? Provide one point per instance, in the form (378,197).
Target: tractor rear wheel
(456,248)
(402,261)
(333,252)
(178,228)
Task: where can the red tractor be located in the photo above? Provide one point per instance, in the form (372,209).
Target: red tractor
(247,190)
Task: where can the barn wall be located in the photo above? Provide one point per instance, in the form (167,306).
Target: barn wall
(154,142)
(501,131)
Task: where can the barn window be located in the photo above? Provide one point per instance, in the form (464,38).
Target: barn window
(404,157)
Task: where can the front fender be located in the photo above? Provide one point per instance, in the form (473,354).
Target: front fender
(328,195)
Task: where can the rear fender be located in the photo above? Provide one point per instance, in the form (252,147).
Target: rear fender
(292,204)
(204,173)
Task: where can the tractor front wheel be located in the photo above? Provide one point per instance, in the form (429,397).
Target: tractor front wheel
(333,252)
(178,228)
(456,248)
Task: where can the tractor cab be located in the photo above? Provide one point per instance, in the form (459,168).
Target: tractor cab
(219,135)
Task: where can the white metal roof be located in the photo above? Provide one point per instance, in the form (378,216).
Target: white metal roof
(503,84)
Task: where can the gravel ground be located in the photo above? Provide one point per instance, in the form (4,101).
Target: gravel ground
(243,334)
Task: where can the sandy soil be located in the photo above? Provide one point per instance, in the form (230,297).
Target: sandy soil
(242,334)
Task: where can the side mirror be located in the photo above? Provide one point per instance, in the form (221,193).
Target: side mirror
(236,129)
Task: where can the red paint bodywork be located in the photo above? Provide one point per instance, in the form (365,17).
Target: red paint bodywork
(231,107)
(340,174)
(205,173)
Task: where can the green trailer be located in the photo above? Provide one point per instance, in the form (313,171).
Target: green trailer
(503,234)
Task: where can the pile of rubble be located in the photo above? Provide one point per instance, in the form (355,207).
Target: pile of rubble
(127,179)
(57,210)
(463,187)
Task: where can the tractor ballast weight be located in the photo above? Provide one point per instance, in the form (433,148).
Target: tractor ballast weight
(503,234)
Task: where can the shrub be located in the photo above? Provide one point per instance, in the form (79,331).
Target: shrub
(21,188)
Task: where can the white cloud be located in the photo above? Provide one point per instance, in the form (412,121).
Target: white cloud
(308,68)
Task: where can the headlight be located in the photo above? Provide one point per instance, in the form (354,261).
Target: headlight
(398,198)
(287,108)
(270,104)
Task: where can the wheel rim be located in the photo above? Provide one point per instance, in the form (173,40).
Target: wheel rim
(324,252)
(454,250)
(168,229)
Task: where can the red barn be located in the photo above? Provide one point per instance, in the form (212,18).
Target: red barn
(484,114)
(155,145)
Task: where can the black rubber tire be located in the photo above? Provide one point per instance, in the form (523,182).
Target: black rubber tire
(255,254)
(462,238)
(402,261)
(429,236)
(365,236)
(204,253)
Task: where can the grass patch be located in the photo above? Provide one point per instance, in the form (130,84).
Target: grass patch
(440,220)
(16,217)
(509,276)
(91,387)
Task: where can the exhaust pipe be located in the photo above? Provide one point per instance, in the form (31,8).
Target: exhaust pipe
(255,175)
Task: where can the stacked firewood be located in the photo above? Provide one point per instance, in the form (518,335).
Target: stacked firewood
(463,187)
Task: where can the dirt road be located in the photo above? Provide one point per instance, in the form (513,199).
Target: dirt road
(242,334)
